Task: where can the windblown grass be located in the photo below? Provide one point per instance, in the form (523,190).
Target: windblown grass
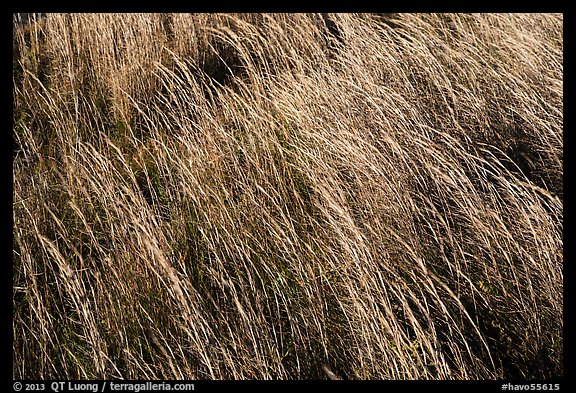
(255,196)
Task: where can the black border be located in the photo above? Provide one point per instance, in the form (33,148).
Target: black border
(290,6)
(306,385)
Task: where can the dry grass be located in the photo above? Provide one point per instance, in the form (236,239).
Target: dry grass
(260,196)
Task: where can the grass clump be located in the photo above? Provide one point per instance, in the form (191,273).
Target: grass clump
(256,196)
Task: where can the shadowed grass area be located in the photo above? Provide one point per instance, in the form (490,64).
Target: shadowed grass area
(256,196)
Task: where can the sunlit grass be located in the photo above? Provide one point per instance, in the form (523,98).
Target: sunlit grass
(256,196)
